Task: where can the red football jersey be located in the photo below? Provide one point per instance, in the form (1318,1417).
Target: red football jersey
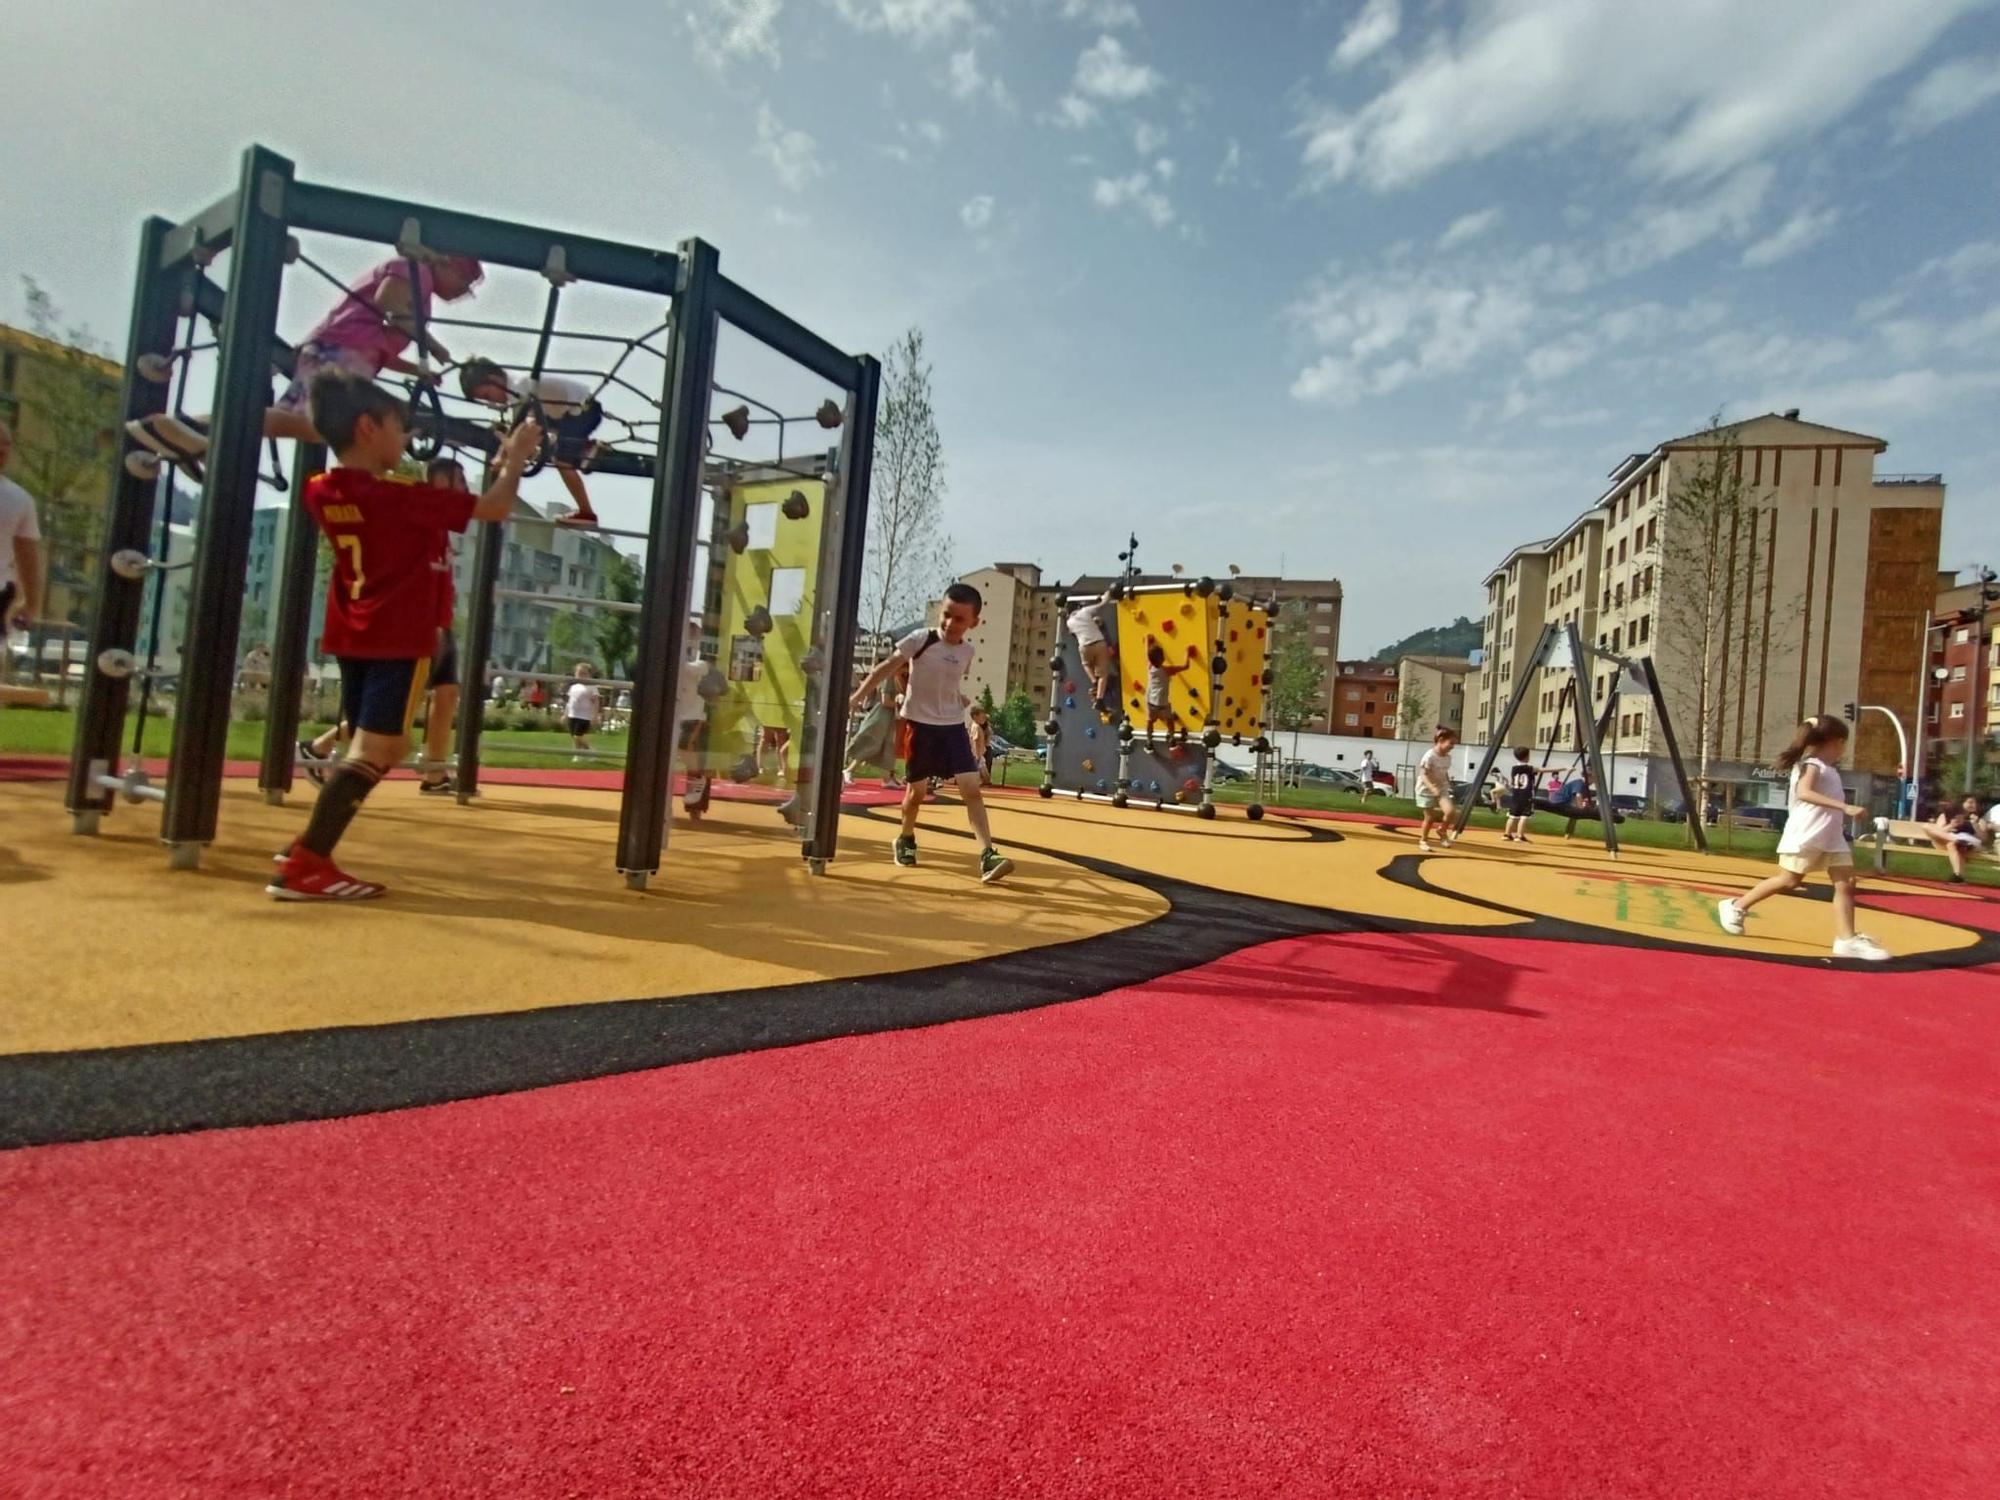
(387,594)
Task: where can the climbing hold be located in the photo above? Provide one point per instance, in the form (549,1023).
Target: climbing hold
(1089,764)
(713,685)
(1069,703)
(1069,687)
(1090,732)
(795,506)
(758,622)
(1102,784)
(1167,626)
(1187,611)
(738,537)
(829,416)
(737,420)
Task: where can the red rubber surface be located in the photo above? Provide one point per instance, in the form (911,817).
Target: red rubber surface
(1342,1216)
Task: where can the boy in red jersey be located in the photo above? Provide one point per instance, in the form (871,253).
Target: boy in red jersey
(382,603)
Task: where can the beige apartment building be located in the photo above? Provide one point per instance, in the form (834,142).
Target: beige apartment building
(1821,600)
(1440,684)
(1021,620)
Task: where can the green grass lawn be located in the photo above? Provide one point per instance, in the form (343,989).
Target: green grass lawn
(51,731)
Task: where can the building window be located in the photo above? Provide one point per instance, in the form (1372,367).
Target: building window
(1324,607)
(1962,637)
(1353,694)
(1353,719)
(1958,674)
(1958,710)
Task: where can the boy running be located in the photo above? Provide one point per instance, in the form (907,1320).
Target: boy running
(934,715)
(1434,790)
(381,603)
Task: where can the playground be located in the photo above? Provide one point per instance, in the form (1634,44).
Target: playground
(1203,1158)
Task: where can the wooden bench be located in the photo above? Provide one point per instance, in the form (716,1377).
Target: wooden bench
(1907,831)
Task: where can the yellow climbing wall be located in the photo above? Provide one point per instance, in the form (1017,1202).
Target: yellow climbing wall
(777,569)
(1185,625)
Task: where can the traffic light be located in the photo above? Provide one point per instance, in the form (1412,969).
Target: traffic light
(1850,711)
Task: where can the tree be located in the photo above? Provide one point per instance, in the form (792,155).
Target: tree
(909,551)
(1710,556)
(617,630)
(570,639)
(63,431)
(1296,682)
(1413,710)
(1014,720)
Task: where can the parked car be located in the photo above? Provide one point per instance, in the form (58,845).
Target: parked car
(1224,771)
(1757,814)
(1629,803)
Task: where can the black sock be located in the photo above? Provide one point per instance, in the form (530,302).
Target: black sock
(347,787)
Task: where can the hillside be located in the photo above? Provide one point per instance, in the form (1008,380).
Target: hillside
(1459,638)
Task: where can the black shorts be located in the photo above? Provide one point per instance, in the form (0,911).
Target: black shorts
(940,750)
(382,696)
(691,732)
(444,665)
(572,433)
(578,728)
(1520,804)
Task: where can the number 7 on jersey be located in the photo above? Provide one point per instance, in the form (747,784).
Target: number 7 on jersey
(352,545)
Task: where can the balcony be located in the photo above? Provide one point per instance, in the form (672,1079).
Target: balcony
(1913,480)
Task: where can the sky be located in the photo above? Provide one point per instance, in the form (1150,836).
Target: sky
(1374,289)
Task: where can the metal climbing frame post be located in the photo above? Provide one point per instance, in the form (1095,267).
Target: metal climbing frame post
(481,605)
(101,713)
(228,496)
(670,557)
(1586,718)
(297,570)
(843,527)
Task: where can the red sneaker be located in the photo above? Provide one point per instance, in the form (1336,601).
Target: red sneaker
(307,876)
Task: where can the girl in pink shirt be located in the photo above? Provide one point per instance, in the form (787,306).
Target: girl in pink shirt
(365,334)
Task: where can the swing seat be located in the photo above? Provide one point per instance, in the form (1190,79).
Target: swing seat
(1575,814)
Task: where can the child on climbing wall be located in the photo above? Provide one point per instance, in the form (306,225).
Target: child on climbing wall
(1815,837)
(1159,693)
(934,715)
(1434,789)
(1086,623)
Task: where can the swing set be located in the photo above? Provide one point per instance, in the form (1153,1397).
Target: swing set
(1562,645)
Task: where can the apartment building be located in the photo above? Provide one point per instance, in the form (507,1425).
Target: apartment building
(1365,695)
(1022,619)
(1439,684)
(1962,694)
(1827,575)
(1516,605)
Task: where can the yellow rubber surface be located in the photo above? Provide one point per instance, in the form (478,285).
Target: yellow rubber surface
(510,904)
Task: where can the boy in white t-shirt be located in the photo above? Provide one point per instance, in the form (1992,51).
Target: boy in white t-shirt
(20,547)
(1086,623)
(691,723)
(567,413)
(581,706)
(1434,789)
(933,715)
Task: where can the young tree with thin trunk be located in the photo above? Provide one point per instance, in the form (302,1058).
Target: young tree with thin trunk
(1297,677)
(909,551)
(1714,570)
(63,432)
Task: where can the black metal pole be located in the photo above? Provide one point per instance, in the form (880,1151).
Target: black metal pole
(1514,702)
(840,609)
(115,620)
(228,495)
(298,565)
(480,608)
(1666,723)
(670,559)
(1586,724)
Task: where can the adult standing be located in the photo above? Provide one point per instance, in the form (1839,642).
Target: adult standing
(20,547)
(1368,771)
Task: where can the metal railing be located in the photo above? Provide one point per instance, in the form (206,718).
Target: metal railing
(1909,479)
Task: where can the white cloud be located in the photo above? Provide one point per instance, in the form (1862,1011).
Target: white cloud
(920,22)
(1803,229)
(793,154)
(1103,13)
(1469,227)
(968,82)
(1869,404)
(1104,71)
(1383,330)
(1968,268)
(1072,113)
(1232,165)
(918,141)
(1147,138)
(976,213)
(1949,92)
(1136,191)
(1661,229)
(1687,88)
(1371,31)
(1165,168)
(727,31)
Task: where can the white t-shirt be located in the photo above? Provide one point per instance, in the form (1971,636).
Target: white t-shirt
(1434,771)
(1085,625)
(937,678)
(583,701)
(1808,826)
(17,521)
(560,397)
(688,702)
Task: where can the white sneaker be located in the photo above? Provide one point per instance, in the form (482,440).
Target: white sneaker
(1423,847)
(1730,915)
(1860,946)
